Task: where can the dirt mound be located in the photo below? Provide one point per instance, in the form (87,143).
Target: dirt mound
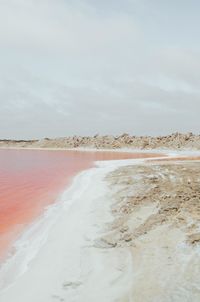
(173,141)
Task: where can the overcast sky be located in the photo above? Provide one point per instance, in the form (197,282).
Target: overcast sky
(99,66)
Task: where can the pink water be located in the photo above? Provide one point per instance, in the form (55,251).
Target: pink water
(30,180)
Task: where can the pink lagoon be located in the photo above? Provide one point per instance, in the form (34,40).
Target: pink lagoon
(32,180)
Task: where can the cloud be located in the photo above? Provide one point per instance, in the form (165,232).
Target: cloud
(82,67)
(54,26)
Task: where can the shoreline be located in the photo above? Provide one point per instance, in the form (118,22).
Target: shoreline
(161,151)
(88,254)
(103,163)
(91,180)
(42,224)
(59,203)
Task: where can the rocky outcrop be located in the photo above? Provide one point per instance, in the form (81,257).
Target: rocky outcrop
(172,141)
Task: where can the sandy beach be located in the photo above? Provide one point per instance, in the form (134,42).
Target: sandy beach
(124,231)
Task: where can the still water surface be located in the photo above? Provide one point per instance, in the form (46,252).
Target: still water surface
(31,180)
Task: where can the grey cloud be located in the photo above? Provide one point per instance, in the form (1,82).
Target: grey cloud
(85,67)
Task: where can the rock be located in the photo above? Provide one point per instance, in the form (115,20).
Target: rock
(127,238)
(124,229)
(194,238)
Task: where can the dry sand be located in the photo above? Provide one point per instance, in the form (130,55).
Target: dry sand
(157,216)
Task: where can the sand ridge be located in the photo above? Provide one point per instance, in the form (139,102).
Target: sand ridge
(175,141)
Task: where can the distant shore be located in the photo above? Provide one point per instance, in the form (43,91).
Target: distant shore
(175,141)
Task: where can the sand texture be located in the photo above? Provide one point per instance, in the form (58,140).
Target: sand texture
(157,216)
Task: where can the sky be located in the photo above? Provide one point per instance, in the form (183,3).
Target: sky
(86,67)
